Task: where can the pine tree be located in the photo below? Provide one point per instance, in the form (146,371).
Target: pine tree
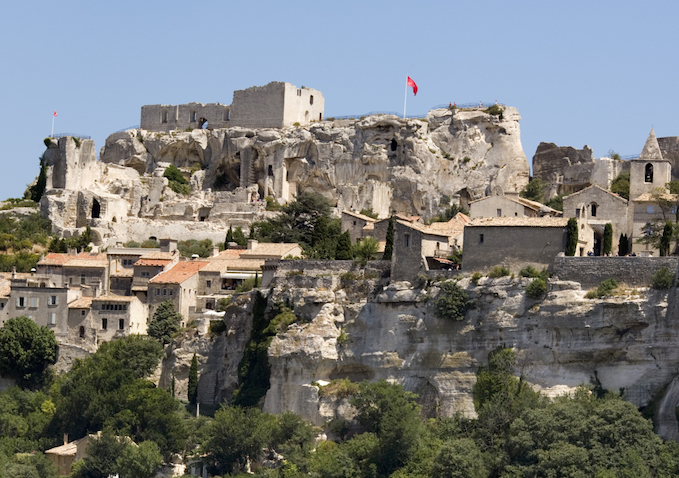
(193,381)
(389,246)
(608,239)
(571,236)
(343,249)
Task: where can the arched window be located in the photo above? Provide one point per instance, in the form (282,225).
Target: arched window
(648,174)
(311,99)
(593,209)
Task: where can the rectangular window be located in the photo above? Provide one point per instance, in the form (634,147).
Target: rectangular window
(121,324)
(170,291)
(193,117)
(53,300)
(34,302)
(406,240)
(649,210)
(145,274)
(164,291)
(21,302)
(52,318)
(104,324)
(208,284)
(82,279)
(480,238)
(577,212)
(157,291)
(499,213)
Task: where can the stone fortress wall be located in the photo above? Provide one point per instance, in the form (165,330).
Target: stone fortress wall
(590,271)
(275,105)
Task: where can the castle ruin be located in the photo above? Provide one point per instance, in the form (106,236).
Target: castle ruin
(276,105)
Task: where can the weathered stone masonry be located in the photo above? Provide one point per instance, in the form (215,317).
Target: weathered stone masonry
(590,271)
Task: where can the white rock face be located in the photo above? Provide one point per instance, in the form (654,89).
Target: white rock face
(381,161)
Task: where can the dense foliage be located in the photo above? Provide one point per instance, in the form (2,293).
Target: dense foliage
(663,278)
(534,190)
(235,235)
(193,246)
(620,185)
(26,350)
(165,322)
(177,182)
(306,221)
(608,239)
(452,301)
(343,249)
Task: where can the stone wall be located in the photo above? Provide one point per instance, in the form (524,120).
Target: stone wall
(590,271)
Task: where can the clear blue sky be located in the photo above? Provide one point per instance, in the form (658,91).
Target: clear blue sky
(580,72)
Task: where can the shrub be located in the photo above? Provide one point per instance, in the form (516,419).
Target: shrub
(296,124)
(466,159)
(48,142)
(369,212)
(529,271)
(495,110)
(662,279)
(272,204)
(77,141)
(452,302)
(536,288)
(339,388)
(217,327)
(498,271)
(604,289)
(150,244)
(342,338)
(475,277)
(180,188)
(248,284)
(222,304)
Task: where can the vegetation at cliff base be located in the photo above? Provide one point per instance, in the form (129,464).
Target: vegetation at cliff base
(663,278)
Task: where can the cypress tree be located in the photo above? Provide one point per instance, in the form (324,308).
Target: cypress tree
(608,239)
(173,386)
(389,246)
(229,237)
(343,248)
(193,381)
(571,236)
(623,245)
(666,238)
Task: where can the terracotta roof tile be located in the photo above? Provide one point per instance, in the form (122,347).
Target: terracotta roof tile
(115,298)
(280,249)
(60,258)
(180,272)
(152,262)
(359,216)
(81,303)
(159,255)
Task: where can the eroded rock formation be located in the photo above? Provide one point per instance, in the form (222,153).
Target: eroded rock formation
(380,161)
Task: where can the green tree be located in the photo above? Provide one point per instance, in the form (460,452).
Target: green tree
(26,350)
(102,456)
(236,435)
(666,238)
(239,237)
(555,203)
(620,185)
(452,301)
(173,173)
(571,236)
(343,250)
(459,458)
(366,249)
(139,462)
(229,237)
(392,415)
(608,239)
(192,393)
(190,247)
(534,190)
(389,244)
(165,322)
(97,387)
(36,191)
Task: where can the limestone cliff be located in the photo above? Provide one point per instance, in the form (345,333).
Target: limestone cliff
(380,161)
(391,331)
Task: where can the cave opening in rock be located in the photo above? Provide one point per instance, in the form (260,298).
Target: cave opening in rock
(96,209)
(394,145)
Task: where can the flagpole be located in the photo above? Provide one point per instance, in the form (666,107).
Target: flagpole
(405,98)
(52,133)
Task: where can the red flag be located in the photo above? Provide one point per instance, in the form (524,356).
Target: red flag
(413,84)
(55,113)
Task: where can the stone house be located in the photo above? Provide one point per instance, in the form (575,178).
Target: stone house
(148,266)
(116,316)
(275,105)
(355,223)
(270,250)
(513,242)
(594,207)
(121,262)
(42,301)
(509,205)
(179,284)
(85,271)
(413,244)
(81,330)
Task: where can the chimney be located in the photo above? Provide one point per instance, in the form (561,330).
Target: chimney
(215,251)
(252,244)
(14,272)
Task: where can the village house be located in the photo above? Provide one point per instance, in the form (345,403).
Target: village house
(509,204)
(121,262)
(513,242)
(355,223)
(148,266)
(85,271)
(179,284)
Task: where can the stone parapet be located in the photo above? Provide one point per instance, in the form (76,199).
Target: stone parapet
(589,271)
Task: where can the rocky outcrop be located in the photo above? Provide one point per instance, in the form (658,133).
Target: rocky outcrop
(380,161)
